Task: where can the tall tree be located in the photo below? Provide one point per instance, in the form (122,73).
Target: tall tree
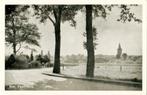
(101,11)
(18,30)
(89,46)
(56,14)
(97,11)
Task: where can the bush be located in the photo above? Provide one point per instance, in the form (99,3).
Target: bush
(34,64)
(139,61)
(21,62)
(136,80)
(16,62)
(49,64)
(9,60)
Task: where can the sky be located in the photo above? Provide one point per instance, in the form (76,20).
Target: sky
(110,34)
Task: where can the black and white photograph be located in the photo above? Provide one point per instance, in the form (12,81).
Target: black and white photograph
(66,47)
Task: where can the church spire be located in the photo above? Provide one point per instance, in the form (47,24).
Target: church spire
(119,46)
(119,52)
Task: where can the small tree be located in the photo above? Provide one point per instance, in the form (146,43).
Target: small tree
(124,55)
(31,56)
(46,59)
(39,58)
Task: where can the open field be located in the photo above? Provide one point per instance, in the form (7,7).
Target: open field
(112,71)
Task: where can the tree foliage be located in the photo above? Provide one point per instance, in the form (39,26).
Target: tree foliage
(126,15)
(124,55)
(94,30)
(18,30)
(44,12)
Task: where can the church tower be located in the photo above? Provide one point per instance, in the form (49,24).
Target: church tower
(119,52)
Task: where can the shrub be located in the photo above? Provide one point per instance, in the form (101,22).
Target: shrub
(46,59)
(21,62)
(34,64)
(16,62)
(9,60)
(6,62)
(49,64)
(136,80)
(139,61)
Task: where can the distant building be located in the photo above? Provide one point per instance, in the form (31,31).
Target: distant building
(119,52)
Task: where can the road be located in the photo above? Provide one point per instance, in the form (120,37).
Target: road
(33,79)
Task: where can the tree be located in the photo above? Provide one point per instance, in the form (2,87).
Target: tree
(31,56)
(56,14)
(18,30)
(46,59)
(89,46)
(101,11)
(126,15)
(98,10)
(124,55)
(39,58)
(60,13)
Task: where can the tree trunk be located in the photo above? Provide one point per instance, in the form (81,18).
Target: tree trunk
(90,46)
(56,68)
(14,48)
(14,37)
(57,50)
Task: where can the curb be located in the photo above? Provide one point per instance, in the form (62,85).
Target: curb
(118,82)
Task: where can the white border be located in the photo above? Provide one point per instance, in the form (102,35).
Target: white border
(73,1)
(2,47)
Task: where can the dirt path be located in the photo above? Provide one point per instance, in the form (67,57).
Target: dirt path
(28,77)
(34,80)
